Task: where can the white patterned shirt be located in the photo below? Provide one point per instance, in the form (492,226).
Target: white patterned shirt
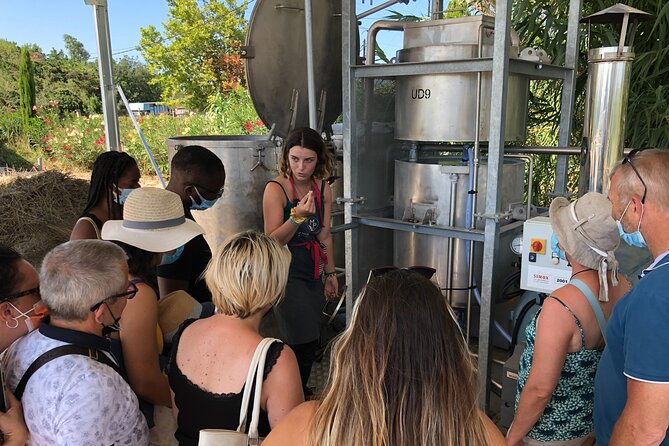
(73,399)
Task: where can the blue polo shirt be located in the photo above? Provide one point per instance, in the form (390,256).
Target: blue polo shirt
(637,346)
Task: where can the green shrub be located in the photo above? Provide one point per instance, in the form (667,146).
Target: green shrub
(10,126)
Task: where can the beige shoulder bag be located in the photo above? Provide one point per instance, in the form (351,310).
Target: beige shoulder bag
(225,437)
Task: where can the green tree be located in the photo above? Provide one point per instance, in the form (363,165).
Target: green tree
(134,77)
(75,49)
(26,87)
(9,75)
(196,56)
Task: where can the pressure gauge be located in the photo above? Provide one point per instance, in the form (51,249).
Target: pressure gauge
(517,245)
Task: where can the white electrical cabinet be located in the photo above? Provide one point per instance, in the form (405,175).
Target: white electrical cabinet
(541,268)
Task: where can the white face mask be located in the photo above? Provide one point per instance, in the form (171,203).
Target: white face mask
(31,320)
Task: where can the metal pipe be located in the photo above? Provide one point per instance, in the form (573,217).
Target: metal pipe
(609,77)
(380,8)
(451,244)
(437,9)
(374,29)
(530,177)
(475,182)
(107,92)
(141,136)
(311,84)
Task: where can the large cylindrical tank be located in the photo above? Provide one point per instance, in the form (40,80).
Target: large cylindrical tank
(423,195)
(249,161)
(442,107)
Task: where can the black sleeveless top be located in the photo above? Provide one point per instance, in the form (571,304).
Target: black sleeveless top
(200,409)
(302,265)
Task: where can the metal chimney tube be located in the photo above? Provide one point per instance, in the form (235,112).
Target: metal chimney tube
(608,87)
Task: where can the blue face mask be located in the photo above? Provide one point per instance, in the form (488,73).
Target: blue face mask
(556,249)
(634,238)
(168,259)
(122,196)
(204,204)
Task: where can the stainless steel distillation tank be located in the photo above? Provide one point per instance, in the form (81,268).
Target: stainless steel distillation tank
(446,107)
(437,193)
(442,107)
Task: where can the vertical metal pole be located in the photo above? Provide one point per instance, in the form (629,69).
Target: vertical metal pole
(500,81)
(107,91)
(568,94)
(311,85)
(349,57)
(437,9)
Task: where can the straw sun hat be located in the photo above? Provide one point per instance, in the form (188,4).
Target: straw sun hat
(153,220)
(586,230)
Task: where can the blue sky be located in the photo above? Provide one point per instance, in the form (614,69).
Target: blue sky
(45,21)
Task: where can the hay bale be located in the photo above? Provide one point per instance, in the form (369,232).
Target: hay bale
(39,210)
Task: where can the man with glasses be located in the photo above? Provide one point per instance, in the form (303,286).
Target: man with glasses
(197,176)
(632,384)
(69,382)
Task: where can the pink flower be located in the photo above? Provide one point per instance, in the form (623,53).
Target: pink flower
(248,126)
(68,155)
(34,107)
(259,123)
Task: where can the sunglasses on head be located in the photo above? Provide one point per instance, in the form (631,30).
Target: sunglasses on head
(424,271)
(628,160)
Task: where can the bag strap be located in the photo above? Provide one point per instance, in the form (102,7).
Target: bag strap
(255,415)
(95,226)
(57,352)
(594,304)
(257,370)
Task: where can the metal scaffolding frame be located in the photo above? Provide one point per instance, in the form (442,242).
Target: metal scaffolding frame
(500,65)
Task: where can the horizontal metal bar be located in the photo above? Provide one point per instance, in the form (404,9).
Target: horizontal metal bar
(531,69)
(519,150)
(511,226)
(412,68)
(536,70)
(438,230)
(342,228)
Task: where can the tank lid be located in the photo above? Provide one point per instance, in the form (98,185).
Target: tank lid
(275,61)
(614,14)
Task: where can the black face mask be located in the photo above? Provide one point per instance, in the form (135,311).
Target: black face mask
(107,330)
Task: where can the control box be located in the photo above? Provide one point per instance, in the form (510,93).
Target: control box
(541,268)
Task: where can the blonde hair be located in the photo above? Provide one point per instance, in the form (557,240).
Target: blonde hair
(652,165)
(401,373)
(247,273)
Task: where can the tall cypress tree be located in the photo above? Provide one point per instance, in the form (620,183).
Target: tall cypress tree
(26,86)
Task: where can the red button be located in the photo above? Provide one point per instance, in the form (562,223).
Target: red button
(537,246)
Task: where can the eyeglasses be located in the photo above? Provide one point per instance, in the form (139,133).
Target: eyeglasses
(128,294)
(628,160)
(217,194)
(20,294)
